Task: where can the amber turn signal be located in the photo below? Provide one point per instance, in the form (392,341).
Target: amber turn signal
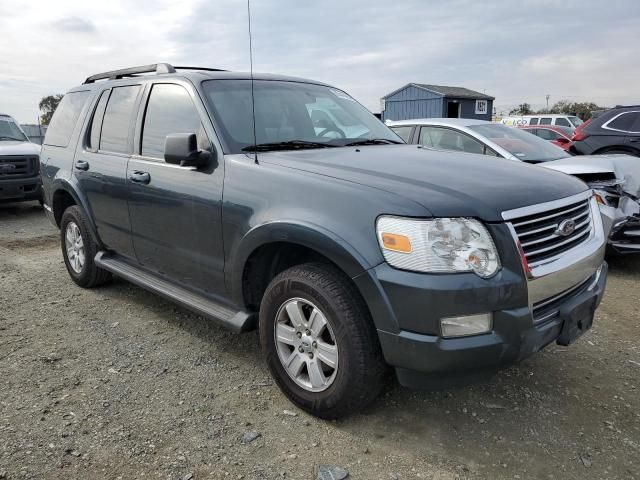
(396,243)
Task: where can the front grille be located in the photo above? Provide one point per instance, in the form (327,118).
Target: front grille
(539,239)
(18,166)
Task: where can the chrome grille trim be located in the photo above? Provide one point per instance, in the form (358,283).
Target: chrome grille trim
(535,227)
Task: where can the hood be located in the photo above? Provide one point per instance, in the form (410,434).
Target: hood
(596,168)
(9,147)
(445,183)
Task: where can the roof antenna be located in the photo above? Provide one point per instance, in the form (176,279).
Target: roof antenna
(253,98)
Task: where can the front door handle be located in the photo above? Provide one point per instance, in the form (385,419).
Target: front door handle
(140,177)
(82,165)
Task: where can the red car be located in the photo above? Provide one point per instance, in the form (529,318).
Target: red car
(560,136)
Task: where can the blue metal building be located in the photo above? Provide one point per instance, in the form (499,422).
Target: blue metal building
(418,100)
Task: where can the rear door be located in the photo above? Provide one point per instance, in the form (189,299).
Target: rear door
(176,211)
(101,165)
(633,137)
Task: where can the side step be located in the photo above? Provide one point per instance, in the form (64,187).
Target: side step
(237,321)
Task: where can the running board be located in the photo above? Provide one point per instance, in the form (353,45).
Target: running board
(237,321)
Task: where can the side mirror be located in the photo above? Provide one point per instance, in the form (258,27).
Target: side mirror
(182,149)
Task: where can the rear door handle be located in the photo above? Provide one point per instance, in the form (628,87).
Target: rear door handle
(82,165)
(140,177)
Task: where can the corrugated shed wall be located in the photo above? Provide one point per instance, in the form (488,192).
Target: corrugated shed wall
(412,102)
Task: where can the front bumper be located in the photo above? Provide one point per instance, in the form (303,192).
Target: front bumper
(530,309)
(19,189)
(420,359)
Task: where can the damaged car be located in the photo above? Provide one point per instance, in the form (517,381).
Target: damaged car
(616,181)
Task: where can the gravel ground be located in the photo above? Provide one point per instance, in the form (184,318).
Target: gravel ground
(117,383)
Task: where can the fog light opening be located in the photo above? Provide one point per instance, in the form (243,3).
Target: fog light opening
(466,325)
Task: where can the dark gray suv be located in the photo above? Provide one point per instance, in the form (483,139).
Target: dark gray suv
(282,204)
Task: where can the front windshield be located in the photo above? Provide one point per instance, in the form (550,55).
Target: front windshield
(306,114)
(9,130)
(520,143)
(576,121)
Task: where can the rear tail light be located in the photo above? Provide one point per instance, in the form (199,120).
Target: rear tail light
(578,133)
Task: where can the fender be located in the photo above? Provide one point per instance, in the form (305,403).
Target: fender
(69,186)
(305,234)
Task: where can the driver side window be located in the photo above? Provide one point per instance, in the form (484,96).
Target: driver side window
(169,110)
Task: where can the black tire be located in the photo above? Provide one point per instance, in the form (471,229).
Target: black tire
(90,275)
(360,373)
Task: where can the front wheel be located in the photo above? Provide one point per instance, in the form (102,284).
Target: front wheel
(319,341)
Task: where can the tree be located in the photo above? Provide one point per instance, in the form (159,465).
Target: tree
(523,109)
(581,109)
(47,106)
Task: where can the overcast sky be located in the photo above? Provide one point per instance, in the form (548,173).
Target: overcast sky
(514,50)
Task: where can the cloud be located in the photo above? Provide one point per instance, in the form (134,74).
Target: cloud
(515,51)
(74,25)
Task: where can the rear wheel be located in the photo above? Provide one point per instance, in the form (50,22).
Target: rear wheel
(79,249)
(319,341)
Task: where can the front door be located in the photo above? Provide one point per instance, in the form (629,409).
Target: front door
(101,166)
(453,109)
(175,211)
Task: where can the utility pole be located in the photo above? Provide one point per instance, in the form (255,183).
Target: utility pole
(548,102)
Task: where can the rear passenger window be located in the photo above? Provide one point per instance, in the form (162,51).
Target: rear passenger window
(533,121)
(65,118)
(624,122)
(403,132)
(96,122)
(117,119)
(545,121)
(563,122)
(169,110)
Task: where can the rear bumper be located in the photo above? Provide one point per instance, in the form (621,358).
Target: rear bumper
(19,189)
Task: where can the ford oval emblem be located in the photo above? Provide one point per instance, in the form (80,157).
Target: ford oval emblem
(565,228)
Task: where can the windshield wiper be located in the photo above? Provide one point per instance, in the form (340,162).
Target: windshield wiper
(4,137)
(372,141)
(289,145)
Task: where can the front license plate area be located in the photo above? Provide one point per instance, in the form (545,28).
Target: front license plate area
(577,319)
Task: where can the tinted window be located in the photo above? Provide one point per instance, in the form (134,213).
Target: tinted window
(519,143)
(96,121)
(117,119)
(624,122)
(169,110)
(65,118)
(545,121)
(563,122)
(547,134)
(447,139)
(533,121)
(575,121)
(403,132)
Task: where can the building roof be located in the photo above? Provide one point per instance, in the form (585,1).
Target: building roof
(445,91)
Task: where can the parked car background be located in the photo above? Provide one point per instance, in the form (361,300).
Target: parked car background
(19,163)
(559,136)
(559,120)
(616,130)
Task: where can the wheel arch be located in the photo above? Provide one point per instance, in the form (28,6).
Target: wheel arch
(268,249)
(65,195)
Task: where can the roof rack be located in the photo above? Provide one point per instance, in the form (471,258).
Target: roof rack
(156,68)
(202,68)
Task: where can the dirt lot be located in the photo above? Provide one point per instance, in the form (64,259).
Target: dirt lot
(116,383)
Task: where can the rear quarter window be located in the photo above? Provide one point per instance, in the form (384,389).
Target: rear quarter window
(65,118)
(623,122)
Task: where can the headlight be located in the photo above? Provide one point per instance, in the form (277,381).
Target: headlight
(438,245)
